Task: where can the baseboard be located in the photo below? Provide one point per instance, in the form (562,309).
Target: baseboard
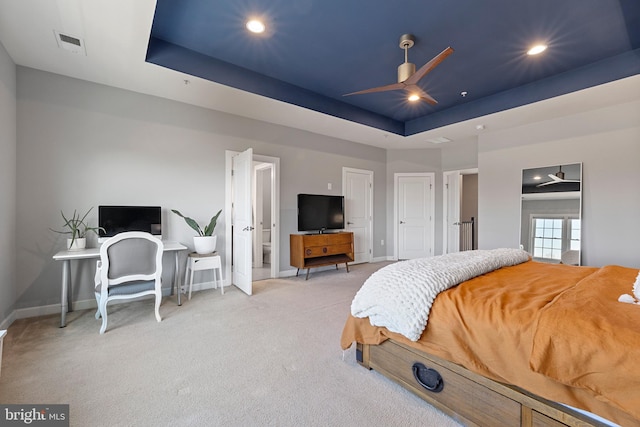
(8,321)
(90,304)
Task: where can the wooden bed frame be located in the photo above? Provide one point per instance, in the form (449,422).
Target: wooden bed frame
(469,398)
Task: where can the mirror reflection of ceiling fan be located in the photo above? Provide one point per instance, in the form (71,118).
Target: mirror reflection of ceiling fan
(557,178)
(408,77)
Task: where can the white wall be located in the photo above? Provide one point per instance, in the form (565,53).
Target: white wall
(82,144)
(607,143)
(7,184)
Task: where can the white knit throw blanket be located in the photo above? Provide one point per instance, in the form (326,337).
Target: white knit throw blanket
(399,296)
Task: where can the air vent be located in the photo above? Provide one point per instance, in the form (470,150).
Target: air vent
(71,43)
(439,140)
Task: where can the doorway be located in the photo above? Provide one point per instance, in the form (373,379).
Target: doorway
(263,190)
(460,208)
(357,188)
(239,263)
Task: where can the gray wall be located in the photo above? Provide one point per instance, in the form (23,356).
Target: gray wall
(8,142)
(69,144)
(82,144)
(607,143)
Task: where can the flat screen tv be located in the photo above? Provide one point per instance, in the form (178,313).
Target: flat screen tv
(318,213)
(117,219)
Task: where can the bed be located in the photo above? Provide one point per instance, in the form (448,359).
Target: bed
(528,344)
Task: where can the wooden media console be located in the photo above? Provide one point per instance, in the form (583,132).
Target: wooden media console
(317,250)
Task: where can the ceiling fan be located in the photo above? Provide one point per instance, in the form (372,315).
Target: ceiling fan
(408,77)
(557,178)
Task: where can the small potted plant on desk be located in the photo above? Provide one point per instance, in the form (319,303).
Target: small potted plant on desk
(78,229)
(205,241)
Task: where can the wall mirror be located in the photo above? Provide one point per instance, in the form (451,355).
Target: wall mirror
(551,207)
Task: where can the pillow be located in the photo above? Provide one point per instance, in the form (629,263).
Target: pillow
(635,298)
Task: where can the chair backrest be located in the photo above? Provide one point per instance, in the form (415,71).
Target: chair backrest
(130,256)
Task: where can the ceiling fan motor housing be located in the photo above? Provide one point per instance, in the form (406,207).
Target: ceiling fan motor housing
(405,70)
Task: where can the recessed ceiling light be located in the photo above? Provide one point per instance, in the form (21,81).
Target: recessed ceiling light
(537,49)
(413,97)
(255,26)
(537,177)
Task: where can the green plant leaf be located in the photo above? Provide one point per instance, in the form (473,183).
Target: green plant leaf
(190,222)
(208,230)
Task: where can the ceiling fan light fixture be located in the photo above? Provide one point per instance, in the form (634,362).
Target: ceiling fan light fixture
(413,97)
(537,49)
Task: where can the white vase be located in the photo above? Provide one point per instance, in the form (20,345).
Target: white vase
(78,244)
(205,244)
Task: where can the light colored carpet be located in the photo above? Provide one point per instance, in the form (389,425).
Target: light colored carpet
(272,359)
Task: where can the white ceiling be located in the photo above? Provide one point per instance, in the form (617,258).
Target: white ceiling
(116,33)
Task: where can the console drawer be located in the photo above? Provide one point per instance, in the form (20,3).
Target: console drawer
(316,251)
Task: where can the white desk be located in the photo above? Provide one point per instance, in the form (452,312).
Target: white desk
(67,256)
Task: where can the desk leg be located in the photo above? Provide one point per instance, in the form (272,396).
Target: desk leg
(175,281)
(64,302)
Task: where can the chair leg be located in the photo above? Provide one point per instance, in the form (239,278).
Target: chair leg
(103,313)
(158,302)
(98,309)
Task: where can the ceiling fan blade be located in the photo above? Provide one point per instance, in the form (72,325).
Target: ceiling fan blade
(394,86)
(414,89)
(554,180)
(415,77)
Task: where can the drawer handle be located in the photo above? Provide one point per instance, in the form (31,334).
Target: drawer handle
(428,378)
(324,250)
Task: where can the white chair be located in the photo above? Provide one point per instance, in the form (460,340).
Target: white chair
(130,266)
(198,262)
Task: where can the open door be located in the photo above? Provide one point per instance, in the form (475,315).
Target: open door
(357,188)
(242,223)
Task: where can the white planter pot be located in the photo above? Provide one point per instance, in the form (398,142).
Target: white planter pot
(78,244)
(205,244)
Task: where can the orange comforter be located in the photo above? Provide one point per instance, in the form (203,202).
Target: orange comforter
(554,330)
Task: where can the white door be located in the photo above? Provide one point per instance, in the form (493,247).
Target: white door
(414,206)
(241,220)
(358,195)
(453,194)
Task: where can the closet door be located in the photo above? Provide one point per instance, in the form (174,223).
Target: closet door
(414,218)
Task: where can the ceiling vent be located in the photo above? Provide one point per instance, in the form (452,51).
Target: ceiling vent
(439,140)
(71,43)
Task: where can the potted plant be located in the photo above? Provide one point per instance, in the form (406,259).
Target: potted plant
(205,241)
(78,229)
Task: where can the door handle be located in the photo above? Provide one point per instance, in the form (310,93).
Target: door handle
(248,228)
(349,223)
(401,222)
